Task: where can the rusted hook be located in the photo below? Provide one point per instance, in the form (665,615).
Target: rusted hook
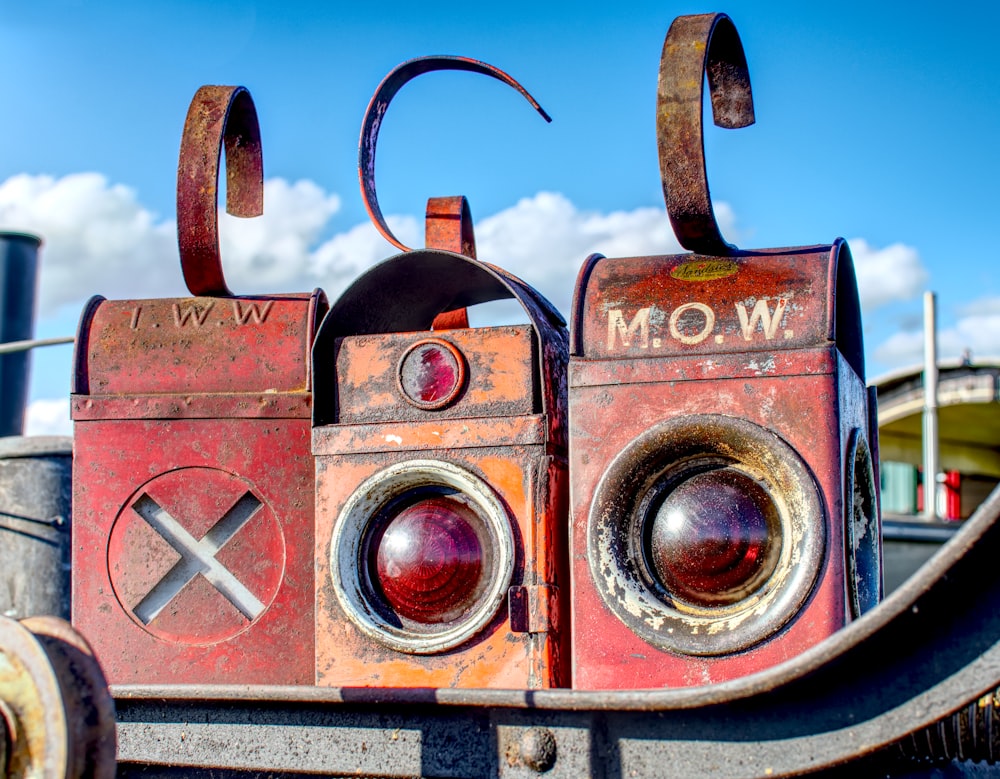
(448,226)
(696,45)
(376,112)
(217,114)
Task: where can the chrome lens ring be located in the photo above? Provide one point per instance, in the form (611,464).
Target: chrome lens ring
(620,572)
(349,561)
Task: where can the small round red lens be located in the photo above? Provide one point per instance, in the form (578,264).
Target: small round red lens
(430,561)
(431,374)
(715,538)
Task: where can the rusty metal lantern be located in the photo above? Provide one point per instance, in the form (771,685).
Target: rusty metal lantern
(723,511)
(440,463)
(193,491)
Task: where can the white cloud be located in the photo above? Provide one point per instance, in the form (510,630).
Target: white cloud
(345,256)
(901,348)
(97,238)
(977,329)
(271,253)
(48,417)
(887,275)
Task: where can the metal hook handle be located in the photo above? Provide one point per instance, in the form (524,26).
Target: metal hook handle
(376,112)
(696,45)
(217,114)
(448,227)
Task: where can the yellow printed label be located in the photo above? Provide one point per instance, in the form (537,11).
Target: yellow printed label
(704,270)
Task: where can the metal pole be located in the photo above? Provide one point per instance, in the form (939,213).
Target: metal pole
(931,460)
(23,346)
(18,274)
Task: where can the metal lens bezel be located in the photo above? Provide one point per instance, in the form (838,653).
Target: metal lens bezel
(349,558)
(457,387)
(674,446)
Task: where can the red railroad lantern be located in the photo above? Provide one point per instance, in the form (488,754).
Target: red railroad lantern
(723,502)
(193,477)
(440,464)
(440,483)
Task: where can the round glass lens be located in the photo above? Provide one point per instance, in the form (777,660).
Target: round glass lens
(714,538)
(430,374)
(429,561)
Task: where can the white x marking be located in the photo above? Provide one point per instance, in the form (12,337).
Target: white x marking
(197,557)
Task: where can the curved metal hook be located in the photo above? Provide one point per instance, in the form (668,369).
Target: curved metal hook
(217,114)
(696,45)
(376,111)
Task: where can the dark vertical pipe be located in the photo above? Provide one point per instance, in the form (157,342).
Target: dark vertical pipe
(18,277)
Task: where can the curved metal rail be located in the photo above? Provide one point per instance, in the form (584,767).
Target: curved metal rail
(927,651)
(375,113)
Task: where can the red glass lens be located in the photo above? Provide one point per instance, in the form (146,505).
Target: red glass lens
(430,561)
(431,374)
(715,538)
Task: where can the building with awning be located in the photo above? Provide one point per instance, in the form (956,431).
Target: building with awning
(968,436)
(968,413)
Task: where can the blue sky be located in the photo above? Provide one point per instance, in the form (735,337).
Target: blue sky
(875,122)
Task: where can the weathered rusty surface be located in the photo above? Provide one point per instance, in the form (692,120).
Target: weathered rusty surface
(448,227)
(193,477)
(498,442)
(217,115)
(375,114)
(56,712)
(193,346)
(496,384)
(695,46)
(660,341)
(395,297)
(733,362)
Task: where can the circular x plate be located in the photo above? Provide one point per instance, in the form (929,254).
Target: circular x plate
(196,556)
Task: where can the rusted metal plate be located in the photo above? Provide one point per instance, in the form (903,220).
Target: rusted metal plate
(489,364)
(688,349)
(415,417)
(205,500)
(193,477)
(622,658)
(184,346)
(686,304)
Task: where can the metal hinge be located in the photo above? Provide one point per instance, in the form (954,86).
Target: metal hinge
(533,609)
